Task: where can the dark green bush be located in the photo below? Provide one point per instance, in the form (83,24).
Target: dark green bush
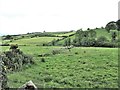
(42,60)
(4,45)
(14,46)
(15,59)
(76,52)
(3,76)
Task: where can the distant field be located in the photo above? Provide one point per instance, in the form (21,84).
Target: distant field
(36,40)
(33,50)
(82,67)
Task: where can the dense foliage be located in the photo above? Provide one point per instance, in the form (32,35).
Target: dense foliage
(113,25)
(15,59)
(3,76)
(90,39)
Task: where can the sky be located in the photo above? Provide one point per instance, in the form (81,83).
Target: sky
(23,16)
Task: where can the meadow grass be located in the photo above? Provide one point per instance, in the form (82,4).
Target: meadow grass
(82,67)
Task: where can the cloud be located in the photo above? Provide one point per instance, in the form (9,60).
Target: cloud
(22,16)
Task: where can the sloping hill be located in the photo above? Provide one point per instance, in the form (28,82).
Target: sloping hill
(62,36)
(99,33)
(36,38)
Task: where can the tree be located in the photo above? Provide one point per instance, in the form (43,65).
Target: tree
(8,37)
(92,34)
(111,26)
(102,28)
(79,31)
(78,36)
(65,42)
(118,24)
(88,29)
(114,35)
(69,41)
(14,46)
(85,34)
(84,41)
(53,42)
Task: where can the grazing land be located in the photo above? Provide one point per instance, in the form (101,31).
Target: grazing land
(57,66)
(82,67)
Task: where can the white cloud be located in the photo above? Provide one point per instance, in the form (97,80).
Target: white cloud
(22,16)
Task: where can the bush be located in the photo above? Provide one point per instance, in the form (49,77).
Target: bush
(3,76)
(55,52)
(47,78)
(4,45)
(42,60)
(102,39)
(106,44)
(15,59)
(14,46)
(76,52)
(88,42)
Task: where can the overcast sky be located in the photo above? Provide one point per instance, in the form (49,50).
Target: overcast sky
(23,16)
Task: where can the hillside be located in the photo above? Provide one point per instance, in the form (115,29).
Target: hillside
(99,33)
(47,38)
(35,38)
(56,66)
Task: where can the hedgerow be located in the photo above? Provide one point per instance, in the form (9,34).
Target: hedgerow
(15,59)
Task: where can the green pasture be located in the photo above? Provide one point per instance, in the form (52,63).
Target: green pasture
(82,67)
(35,40)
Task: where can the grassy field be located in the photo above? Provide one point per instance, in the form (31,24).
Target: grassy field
(29,41)
(81,68)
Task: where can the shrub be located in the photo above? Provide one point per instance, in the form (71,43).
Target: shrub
(3,76)
(47,78)
(15,59)
(14,46)
(102,39)
(42,60)
(8,37)
(84,42)
(76,52)
(106,44)
(4,45)
(55,52)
